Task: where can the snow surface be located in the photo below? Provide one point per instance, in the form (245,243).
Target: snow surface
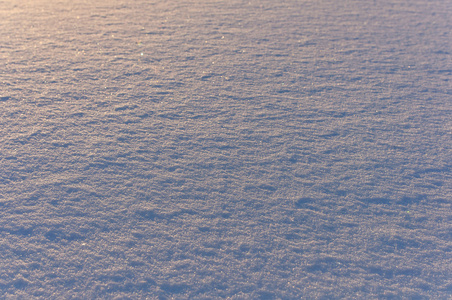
(212,149)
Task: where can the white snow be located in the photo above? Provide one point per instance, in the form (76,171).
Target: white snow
(212,149)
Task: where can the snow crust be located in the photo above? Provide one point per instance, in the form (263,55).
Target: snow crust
(225,149)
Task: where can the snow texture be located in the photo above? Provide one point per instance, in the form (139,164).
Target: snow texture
(225,149)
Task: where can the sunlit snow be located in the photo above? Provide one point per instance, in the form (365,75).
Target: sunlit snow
(213,149)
